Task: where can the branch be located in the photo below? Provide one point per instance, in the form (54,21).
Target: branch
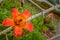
(32,17)
(43,12)
(6,37)
(36,4)
(1,1)
(46,2)
(6,30)
(54,37)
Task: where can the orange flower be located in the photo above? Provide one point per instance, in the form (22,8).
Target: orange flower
(18,22)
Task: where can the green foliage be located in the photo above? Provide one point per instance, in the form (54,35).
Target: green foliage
(35,35)
(51,23)
(32,36)
(43,28)
(8,4)
(2,37)
(57,12)
(39,24)
(5,12)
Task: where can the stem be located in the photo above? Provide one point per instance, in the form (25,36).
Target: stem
(32,17)
(6,37)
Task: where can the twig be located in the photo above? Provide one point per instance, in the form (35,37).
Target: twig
(54,37)
(49,3)
(6,30)
(44,12)
(6,37)
(46,2)
(32,17)
(1,1)
(36,5)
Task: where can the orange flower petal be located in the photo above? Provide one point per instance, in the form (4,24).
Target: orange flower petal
(26,14)
(18,31)
(29,26)
(7,22)
(14,12)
